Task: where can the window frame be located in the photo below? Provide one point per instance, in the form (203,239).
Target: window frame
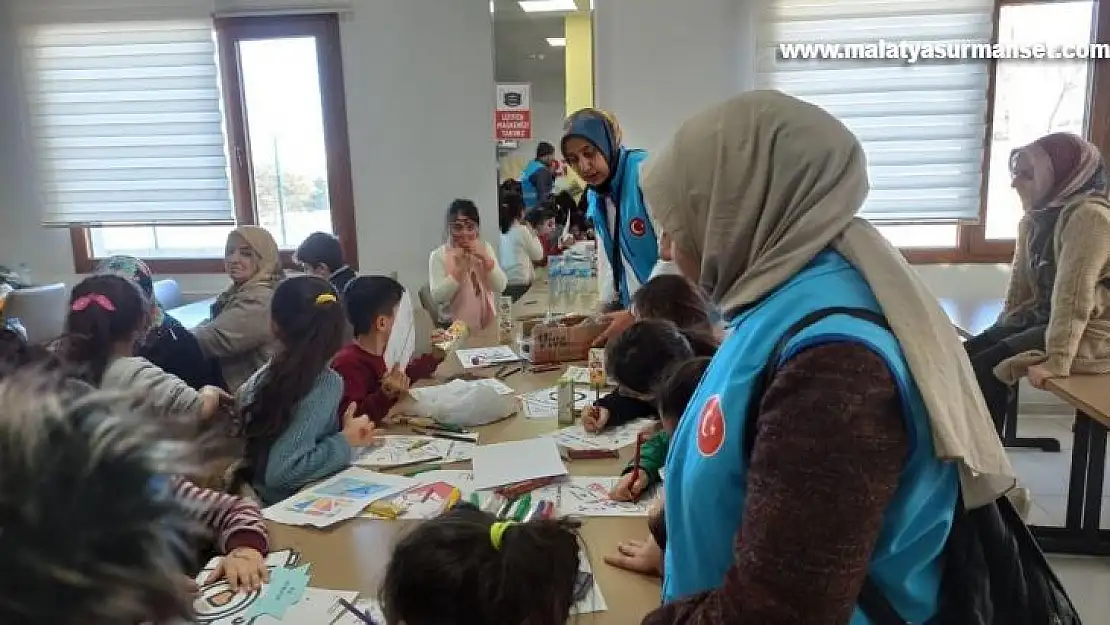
(972,244)
(230,31)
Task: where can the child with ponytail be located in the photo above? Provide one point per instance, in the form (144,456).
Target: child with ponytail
(288,406)
(107,317)
(481,570)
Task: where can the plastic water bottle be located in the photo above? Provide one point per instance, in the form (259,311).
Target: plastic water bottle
(554,282)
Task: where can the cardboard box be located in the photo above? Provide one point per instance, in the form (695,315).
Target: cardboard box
(566,340)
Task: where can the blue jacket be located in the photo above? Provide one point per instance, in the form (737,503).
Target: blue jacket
(706,484)
(528,188)
(638,242)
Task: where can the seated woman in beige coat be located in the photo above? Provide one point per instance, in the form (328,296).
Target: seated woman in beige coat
(238,335)
(1056,320)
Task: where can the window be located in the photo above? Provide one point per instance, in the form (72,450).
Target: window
(284,128)
(936,192)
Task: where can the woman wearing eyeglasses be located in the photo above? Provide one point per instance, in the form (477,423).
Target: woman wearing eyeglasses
(1056,319)
(463,274)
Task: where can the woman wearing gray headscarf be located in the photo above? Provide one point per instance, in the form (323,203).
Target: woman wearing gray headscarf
(784,491)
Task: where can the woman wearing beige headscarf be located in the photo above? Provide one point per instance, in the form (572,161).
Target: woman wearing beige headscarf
(238,335)
(784,491)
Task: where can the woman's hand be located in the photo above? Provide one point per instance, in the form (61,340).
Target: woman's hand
(482,256)
(359,431)
(594,419)
(618,322)
(455,263)
(665,247)
(632,485)
(212,398)
(639,556)
(244,569)
(1038,375)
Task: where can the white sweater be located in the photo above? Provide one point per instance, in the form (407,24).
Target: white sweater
(520,248)
(443,287)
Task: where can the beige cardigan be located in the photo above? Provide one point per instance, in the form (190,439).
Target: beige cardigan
(1078,335)
(239,337)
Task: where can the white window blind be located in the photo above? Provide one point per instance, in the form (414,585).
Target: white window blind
(128,118)
(921,124)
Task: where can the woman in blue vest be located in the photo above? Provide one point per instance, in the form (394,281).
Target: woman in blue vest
(537,180)
(592,146)
(784,491)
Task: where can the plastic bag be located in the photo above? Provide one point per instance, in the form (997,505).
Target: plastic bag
(463,403)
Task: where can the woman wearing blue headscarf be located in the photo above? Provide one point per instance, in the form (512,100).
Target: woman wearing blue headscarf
(592,146)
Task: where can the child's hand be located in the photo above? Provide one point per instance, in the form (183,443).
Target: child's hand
(594,419)
(631,486)
(396,381)
(639,556)
(359,431)
(212,398)
(244,569)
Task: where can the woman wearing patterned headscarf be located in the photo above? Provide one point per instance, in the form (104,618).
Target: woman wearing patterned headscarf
(238,335)
(1056,318)
(168,344)
(592,146)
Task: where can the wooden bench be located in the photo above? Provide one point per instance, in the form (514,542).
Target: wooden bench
(1081,534)
(971,317)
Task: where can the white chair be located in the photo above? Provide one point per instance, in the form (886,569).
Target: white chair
(168,293)
(41,309)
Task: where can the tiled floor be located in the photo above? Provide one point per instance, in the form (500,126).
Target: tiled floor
(1046,475)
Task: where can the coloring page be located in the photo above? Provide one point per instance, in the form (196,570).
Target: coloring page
(588,592)
(576,436)
(486,356)
(589,496)
(338,498)
(544,403)
(394,451)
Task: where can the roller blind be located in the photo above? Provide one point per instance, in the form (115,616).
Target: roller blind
(922,124)
(127,114)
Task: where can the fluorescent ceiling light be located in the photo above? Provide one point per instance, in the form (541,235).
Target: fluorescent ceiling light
(492,9)
(547,6)
(557,42)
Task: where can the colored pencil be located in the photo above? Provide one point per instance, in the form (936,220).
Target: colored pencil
(636,466)
(510,373)
(443,435)
(358,613)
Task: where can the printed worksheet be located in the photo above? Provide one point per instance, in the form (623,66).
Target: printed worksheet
(338,498)
(394,451)
(576,436)
(486,356)
(589,496)
(544,403)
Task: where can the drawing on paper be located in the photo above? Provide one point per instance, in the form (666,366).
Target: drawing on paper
(486,356)
(544,403)
(326,507)
(402,450)
(217,604)
(576,436)
(353,488)
(590,497)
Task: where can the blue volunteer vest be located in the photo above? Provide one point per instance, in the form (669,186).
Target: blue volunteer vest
(637,236)
(706,479)
(527,187)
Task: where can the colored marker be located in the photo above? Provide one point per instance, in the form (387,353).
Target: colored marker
(522,509)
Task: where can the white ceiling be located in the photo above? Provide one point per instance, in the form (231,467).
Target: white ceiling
(520,48)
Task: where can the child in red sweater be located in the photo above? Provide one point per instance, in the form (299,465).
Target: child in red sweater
(371,303)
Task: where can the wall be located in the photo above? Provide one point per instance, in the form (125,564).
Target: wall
(421,135)
(548,112)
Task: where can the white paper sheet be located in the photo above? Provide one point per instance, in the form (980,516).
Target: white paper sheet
(594,601)
(576,436)
(508,463)
(544,403)
(394,451)
(497,385)
(402,339)
(486,356)
(338,498)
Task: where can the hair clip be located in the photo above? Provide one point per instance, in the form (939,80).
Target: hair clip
(83,302)
(325,298)
(497,532)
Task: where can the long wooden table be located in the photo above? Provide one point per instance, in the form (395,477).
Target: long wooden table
(353,555)
(1081,533)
